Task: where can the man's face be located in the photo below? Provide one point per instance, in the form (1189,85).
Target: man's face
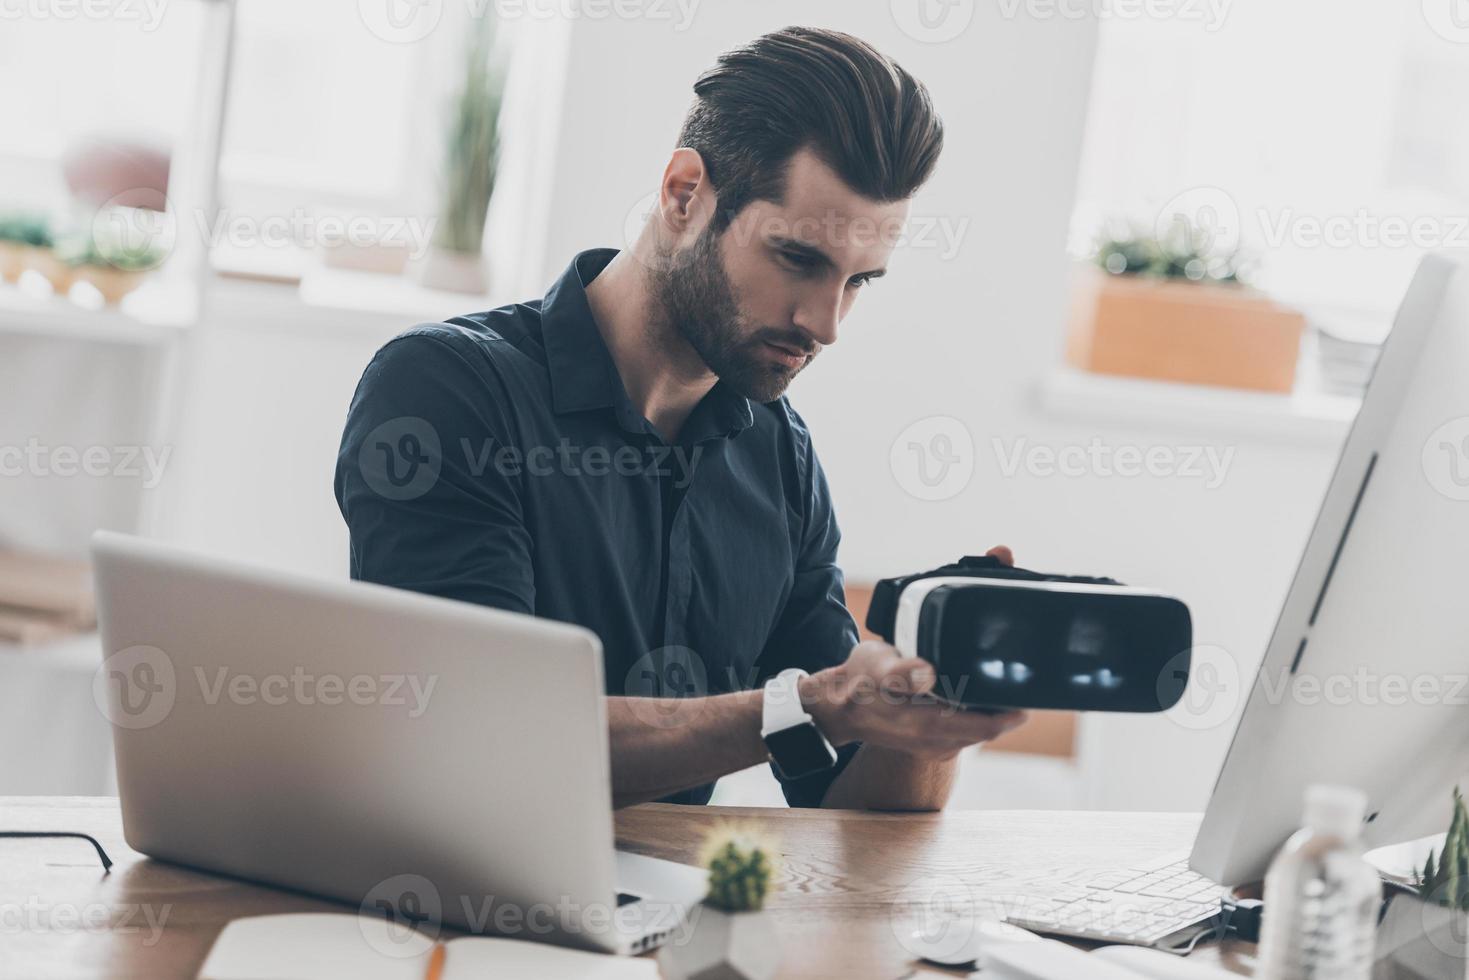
(759,300)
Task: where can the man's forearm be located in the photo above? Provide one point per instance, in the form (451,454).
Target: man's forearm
(885,779)
(910,743)
(663,745)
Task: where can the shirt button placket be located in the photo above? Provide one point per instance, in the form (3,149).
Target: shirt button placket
(675,621)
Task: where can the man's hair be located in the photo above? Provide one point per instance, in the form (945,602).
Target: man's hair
(858,110)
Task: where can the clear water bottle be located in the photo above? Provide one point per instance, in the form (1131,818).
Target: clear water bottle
(1321,896)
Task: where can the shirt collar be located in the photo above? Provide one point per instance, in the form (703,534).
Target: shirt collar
(584,376)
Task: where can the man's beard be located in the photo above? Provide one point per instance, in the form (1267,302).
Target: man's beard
(695,296)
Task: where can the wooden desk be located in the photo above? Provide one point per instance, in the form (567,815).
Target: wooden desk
(845,897)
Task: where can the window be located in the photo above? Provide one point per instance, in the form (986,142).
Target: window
(321,111)
(68,78)
(1331,140)
(325,118)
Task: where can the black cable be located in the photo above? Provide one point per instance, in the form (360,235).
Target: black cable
(106,861)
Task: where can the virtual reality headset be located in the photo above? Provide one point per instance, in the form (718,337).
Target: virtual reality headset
(1002,638)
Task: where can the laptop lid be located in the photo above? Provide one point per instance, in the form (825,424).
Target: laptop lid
(428,759)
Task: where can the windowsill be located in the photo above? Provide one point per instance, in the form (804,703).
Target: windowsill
(303,290)
(1304,416)
(380,293)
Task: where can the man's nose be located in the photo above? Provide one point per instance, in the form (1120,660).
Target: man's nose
(818,318)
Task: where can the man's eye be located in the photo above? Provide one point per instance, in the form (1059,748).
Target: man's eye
(798,260)
(857,282)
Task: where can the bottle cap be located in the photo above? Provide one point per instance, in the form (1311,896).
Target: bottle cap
(1336,810)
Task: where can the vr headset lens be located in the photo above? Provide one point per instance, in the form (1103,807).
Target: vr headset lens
(1008,646)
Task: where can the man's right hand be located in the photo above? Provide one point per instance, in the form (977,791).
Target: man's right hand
(879,697)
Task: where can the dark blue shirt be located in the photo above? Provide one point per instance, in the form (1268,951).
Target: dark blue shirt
(497,459)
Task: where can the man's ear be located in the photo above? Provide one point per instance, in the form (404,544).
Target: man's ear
(686,198)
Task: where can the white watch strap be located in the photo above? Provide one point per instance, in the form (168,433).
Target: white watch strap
(782,708)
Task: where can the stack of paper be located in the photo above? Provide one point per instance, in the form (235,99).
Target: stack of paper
(43,597)
(1347,357)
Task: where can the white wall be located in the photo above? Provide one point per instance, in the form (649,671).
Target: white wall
(63,399)
(270,383)
(966,336)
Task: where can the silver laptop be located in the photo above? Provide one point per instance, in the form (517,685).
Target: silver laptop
(428,760)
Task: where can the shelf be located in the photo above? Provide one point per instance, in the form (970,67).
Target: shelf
(1303,416)
(77,654)
(154,314)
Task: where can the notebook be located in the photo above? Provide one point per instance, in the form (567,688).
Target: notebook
(1052,960)
(324,946)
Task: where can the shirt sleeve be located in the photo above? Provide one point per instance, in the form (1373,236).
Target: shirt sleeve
(426,507)
(815,630)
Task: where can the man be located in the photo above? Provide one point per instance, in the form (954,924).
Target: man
(621,454)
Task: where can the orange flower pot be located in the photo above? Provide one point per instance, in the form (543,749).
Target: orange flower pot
(1188,332)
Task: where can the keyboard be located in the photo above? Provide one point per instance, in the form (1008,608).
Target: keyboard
(1141,906)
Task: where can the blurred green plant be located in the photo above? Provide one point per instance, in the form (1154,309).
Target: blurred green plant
(26,228)
(1445,881)
(1186,251)
(740,868)
(470,154)
(117,252)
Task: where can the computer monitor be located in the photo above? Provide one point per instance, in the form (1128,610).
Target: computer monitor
(1366,678)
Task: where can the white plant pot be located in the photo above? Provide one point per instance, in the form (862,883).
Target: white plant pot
(459,272)
(12,261)
(1421,941)
(59,274)
(719,945)
(113,284)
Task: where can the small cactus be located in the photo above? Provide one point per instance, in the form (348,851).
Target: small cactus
(740,867)
(1447,880)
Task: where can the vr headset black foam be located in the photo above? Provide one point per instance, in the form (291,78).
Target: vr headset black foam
(1002,637)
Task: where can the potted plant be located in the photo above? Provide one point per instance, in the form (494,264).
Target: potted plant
(21,235)
(731,937)
(1424,934)
(1175,308)
(117,269)
(113,268)
(55,265)
(454,261)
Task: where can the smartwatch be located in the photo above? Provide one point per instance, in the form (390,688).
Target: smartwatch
(795,745)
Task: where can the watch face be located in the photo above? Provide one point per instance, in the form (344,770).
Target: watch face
(799,751)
